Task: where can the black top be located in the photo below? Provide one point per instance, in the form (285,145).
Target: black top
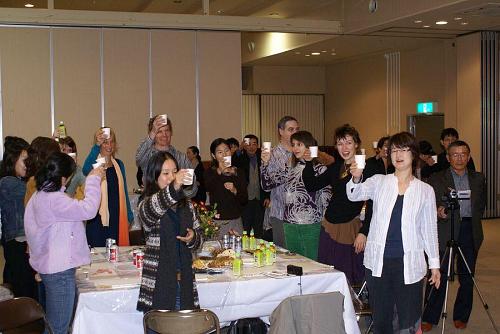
(201,194)
(394,241)
(242,161)
(229,206)
(340,209)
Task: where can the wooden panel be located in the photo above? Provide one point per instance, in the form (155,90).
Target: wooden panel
(77,91)
(220,86)
(174,83)
(24,57)
(126,91)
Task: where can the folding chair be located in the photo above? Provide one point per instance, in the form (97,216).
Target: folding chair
(362,309)
(185,321)
(22,315)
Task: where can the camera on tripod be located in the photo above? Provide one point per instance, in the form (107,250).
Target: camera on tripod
(452,197)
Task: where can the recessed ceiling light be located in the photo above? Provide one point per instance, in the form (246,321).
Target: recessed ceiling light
(308,55)
(333,53)
(315,53)
(464,23)
(324,51)
(426,26)
(441,23)
(457,18)
(29,5)
(297,52)
(220,11)
(417,21)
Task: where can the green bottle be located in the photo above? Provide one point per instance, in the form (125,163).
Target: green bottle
(245,241)
(252,240)
(272,248)
(269,256)
(237,264)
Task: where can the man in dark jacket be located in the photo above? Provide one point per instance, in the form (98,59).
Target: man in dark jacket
(468,231)
(249,161)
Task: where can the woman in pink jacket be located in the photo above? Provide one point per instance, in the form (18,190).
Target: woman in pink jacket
(55,231)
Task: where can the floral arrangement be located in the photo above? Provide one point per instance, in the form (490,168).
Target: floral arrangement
(206,215)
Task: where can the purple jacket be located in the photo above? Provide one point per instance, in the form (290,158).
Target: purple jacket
(54,227)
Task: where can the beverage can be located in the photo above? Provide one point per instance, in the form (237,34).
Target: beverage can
(134,256)
(226,243)
(109,243)
(233,242)
(139,260)
(113,253)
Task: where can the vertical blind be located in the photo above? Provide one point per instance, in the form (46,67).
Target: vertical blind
(261,114)
(490,140)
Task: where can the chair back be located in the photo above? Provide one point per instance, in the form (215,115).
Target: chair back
(185,321)
(22,315)
(320,313)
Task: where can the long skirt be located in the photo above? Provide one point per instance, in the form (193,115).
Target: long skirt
(341,256)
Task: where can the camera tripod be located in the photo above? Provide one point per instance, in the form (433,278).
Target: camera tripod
(452,248)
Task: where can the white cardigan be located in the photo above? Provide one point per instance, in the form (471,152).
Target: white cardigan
(418,223)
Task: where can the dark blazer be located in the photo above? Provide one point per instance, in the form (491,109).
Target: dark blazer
(443,180)
(242,161)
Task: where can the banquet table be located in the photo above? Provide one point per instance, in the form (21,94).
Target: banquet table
(108,292)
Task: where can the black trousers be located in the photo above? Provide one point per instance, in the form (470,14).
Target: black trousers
(463,302)
(18,271)
(389,293)
(253,216)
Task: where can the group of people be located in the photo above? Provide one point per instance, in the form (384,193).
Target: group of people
(374,223)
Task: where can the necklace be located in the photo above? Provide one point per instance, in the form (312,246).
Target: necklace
(345,173)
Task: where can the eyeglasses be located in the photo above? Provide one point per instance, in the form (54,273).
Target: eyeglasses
(400,150)
(459,155)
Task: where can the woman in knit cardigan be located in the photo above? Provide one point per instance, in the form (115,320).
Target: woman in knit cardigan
(171,231)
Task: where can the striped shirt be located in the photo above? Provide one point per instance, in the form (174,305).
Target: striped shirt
(273,178)
(418,223)
(147,149)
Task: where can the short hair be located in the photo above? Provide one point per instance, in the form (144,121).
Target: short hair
(449,132)
(196,152)
(251,136)
(69,142)
(14,146)
(405,140)
(232,141)
(283,120)
(346,130)
(306,138)
(458,143)
(213,147)
(152,119)
(40,149)
(57,166)
(381,141)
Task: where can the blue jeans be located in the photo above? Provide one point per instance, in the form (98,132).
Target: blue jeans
(59,298)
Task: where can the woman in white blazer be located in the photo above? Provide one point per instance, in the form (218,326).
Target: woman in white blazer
(403,227)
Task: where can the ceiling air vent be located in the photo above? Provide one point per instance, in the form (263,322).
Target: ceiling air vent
(487,9)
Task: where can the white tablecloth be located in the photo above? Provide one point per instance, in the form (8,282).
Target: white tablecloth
(114,310)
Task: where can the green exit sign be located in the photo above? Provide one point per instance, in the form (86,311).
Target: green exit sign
(426,107)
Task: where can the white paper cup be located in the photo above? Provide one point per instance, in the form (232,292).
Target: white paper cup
(266,145)
(314,151)
(435,158)
(73,155)
(247,141)
(106,132)
(375,144)
(164,118)
(188,178)
(227,161)
(101,160)
(97,165)
(360,160)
